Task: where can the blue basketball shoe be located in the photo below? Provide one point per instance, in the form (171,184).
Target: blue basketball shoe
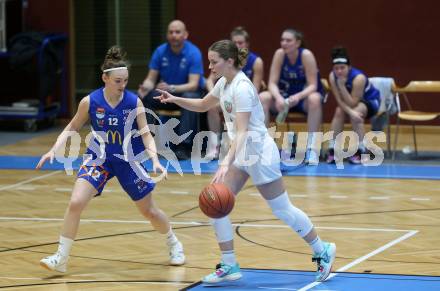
(325,261)
(223,273)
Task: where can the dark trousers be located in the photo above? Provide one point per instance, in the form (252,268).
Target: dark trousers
(188,119)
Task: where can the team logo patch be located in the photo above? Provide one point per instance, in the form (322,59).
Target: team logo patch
(100,113)
(228,106)
(100,122)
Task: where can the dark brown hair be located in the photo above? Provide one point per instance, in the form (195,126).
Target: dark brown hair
(297,34)
(340,56)
(115,57)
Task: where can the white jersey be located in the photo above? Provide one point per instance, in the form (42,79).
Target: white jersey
(240,96)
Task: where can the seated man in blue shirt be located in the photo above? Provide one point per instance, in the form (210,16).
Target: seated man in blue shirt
(176,66)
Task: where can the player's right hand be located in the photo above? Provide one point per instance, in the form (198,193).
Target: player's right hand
(165,97)
(220,175)
(47,156)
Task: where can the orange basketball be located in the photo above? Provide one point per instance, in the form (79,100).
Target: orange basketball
(216,200)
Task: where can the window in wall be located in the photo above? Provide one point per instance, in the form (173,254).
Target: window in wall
(139,26)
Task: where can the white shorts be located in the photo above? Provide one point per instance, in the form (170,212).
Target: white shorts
(262,161)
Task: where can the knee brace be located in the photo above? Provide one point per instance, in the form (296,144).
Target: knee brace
(294,217)
(223,229)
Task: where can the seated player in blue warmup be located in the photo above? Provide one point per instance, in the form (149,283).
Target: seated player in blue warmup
(295,85)
(108,109)
(176,67)
(357,98)
(253,69)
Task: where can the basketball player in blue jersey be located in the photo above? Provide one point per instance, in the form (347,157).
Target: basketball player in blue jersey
(253,69)
(248,157)
(108,108)
(295,85)
(356,97)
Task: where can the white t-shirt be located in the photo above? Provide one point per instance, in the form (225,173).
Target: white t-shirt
(240,96)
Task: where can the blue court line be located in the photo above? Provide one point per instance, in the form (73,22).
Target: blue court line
(255,279)
(389,171)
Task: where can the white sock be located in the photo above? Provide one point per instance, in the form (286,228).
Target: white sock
(311,140)
(171,237)
(64,246)
(317,245)
(361,146)
(228,257)
(331,144)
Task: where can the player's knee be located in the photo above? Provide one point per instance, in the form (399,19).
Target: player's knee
(150,213)
(76,205)
(265,98)
(314,101)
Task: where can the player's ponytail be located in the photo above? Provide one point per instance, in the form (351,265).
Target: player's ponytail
(242,57)
(115,58)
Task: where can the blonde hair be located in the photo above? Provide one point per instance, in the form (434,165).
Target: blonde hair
(227,49)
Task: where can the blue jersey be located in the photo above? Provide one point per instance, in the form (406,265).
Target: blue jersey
(174,68)
(248,69)
(293,77)
(111,121)
(370,92)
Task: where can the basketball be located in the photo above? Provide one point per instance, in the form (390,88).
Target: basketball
(216,200)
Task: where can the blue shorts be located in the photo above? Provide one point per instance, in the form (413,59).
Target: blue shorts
(372,106)
(134,185)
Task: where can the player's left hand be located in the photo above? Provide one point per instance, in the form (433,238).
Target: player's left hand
(158,167)
(357,116)
(50,155)
(294,100)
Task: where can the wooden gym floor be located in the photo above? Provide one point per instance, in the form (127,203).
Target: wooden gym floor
(379,225)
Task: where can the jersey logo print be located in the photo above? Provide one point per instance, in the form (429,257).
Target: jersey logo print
(228,106)
(113,135)
(100,113)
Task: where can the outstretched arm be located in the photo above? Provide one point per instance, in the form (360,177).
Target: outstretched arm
(197,105)
(77,122)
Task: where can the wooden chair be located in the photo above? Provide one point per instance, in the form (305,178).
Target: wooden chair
(410,114)
(168,113)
